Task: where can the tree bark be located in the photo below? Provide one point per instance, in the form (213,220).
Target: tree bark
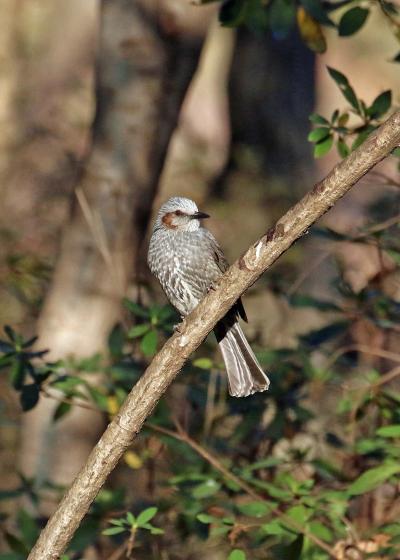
(144,68)
(167,363)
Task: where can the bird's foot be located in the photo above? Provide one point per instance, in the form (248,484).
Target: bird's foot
(177,328)
(211,288)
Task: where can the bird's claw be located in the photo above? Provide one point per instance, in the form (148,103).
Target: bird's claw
(177,328)
(211,288)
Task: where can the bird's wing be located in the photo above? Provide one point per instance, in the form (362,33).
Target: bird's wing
(221,262)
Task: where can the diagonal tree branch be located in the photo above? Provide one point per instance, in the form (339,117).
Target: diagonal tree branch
(168,362)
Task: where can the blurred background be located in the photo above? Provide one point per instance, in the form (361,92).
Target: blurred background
(107,109)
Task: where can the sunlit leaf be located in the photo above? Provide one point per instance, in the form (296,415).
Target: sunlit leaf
(207,519)
(392,431)
(323,147)
(18,373)
(372,478)
(113,531)
(130,518)
(318,134)
(310,31)
(206,489)
(237,554)
(320,531)
(146,515)
(149,343)
(342,148)
(254,509)
(203,363)
(133,460)
(318,119)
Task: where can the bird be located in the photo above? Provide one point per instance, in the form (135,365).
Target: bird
(186,259)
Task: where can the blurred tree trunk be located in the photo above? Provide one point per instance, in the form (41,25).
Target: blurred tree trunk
(144,67)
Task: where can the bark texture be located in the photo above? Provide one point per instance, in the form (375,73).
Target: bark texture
(143,71)
(167,363)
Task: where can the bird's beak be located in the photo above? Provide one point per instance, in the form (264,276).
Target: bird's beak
(199,216)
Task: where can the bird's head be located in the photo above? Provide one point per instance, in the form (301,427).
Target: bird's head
(179,214)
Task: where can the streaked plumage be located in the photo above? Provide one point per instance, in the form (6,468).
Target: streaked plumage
(186,259)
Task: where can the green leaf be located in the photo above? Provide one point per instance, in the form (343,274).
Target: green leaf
(136,309)
(149,343)
(320,531)
(293,551)
(303,300)
(146,515)
(18,373)
(29,529)
(237,554)
(254,509)
(203,363)
(282,15)
(138,330)
(29,396)
(299,514)
(113,531)
(274,528)
(153,530)
(12,335)
(389,431)
(342,148)
(380,105)
(352,21)
(318,119)
(117,522)
(206,489)
(116,341)
(372,478)
(318,134)
(131,519)
(345,88)
(323,147)
(322,335)
(61,409)
(98,397)
(206,519)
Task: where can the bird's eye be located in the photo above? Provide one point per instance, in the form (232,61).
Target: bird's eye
(179,212)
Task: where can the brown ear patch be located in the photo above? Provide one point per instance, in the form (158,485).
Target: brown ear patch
(167,220)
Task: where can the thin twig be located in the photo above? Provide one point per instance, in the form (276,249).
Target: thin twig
(363,349)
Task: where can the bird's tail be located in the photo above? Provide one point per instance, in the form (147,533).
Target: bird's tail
(245,375)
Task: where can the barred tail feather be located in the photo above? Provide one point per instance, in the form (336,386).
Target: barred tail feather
(245,375)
